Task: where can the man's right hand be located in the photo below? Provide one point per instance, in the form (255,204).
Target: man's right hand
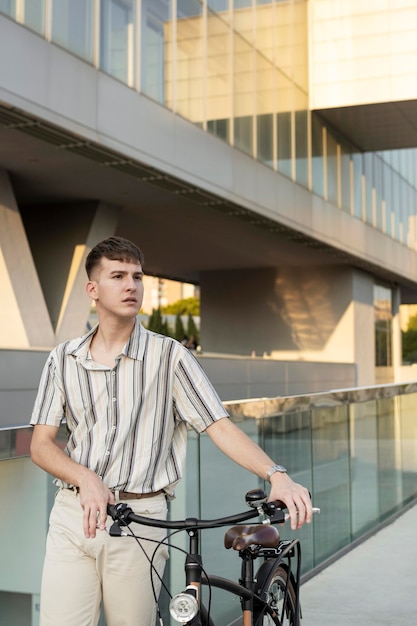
(94,498)
(94,495)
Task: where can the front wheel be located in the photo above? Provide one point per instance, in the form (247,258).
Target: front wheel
(276,589)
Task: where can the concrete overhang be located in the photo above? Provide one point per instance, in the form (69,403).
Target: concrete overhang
(183,229)
(374,127)
(72,134)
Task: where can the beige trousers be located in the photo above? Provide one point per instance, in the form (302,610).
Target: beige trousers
(79,574)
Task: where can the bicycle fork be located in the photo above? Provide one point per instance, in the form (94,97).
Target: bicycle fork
(184,607)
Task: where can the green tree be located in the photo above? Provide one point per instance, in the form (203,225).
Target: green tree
(179,328)
(155,322)
(183,307)
(192,329)
(165,329)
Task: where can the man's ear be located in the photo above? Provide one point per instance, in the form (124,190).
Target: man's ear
(91,289)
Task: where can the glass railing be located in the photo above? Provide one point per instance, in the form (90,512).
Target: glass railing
(355,449)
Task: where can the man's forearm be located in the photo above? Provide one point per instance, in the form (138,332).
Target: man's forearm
(50,457)
(240,448)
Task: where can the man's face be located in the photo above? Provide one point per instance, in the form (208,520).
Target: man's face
(117,287)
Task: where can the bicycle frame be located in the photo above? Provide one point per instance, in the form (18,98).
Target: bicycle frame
(276,571)
(246,588)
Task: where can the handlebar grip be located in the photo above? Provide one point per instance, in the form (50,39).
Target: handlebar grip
(119,511)
(280,504)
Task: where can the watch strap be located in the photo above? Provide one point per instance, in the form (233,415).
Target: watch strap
(275,468)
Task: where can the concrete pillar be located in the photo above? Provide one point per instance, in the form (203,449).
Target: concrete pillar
(363,327)
(60,236)
(24,317)
(76,304)
(318,314)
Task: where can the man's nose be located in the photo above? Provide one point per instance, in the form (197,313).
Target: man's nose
(131,283)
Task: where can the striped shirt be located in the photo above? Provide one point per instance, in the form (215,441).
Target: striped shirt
(128,423)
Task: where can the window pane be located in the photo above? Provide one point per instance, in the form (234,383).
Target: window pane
(156,34)
(387,198)
(383,326)
(243,133)
(220,128)
(8,7)
(357,184)
(368,171)
(219,76)
(396,206)
(218,5)
(265,89)
(332,171)
(301,148)
(265,132)
(189,8)
(378,191)
(284,143)
(244,88)
(345,167)
(117,49)
(72,26)
(317,155)
(34,15)
(190,61)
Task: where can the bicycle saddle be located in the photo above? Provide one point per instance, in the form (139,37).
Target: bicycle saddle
(241,537)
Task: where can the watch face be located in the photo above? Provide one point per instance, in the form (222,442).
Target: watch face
(276,468)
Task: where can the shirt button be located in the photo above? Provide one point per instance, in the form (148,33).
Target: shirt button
(114,399)
(113,373)
(107,452)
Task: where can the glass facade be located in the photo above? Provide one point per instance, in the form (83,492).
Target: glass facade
(239,70)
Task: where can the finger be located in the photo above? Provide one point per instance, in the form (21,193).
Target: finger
(292,511)
(102,518)
(86,521)
(92,523)
(307,505)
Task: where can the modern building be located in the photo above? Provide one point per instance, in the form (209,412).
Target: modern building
(262,151)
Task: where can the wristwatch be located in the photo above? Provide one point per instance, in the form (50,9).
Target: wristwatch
(275,468)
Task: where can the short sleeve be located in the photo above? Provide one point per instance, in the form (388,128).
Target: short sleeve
(196,401)
(49,407)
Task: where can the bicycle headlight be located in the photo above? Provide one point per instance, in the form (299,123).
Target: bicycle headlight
(183,607)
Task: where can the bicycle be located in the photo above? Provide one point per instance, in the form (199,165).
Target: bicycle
(269,597)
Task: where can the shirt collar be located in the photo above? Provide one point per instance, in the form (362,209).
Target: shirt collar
(134,348)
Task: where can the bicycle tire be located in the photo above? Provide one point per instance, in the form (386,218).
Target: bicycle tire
(276,588)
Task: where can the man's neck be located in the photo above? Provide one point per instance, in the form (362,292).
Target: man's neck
(109,340)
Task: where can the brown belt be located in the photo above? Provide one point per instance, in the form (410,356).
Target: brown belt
(127,495)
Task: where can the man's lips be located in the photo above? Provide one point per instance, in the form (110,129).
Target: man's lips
(130,300)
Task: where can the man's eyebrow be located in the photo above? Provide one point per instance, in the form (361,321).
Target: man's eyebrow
(140,272)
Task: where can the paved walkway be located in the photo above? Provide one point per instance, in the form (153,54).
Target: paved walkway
(375,584)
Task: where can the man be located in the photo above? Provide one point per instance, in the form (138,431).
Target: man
(127,395)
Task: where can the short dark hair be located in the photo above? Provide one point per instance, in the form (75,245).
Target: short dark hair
(115,249)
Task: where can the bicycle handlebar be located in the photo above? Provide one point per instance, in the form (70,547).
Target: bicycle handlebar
(123,513)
